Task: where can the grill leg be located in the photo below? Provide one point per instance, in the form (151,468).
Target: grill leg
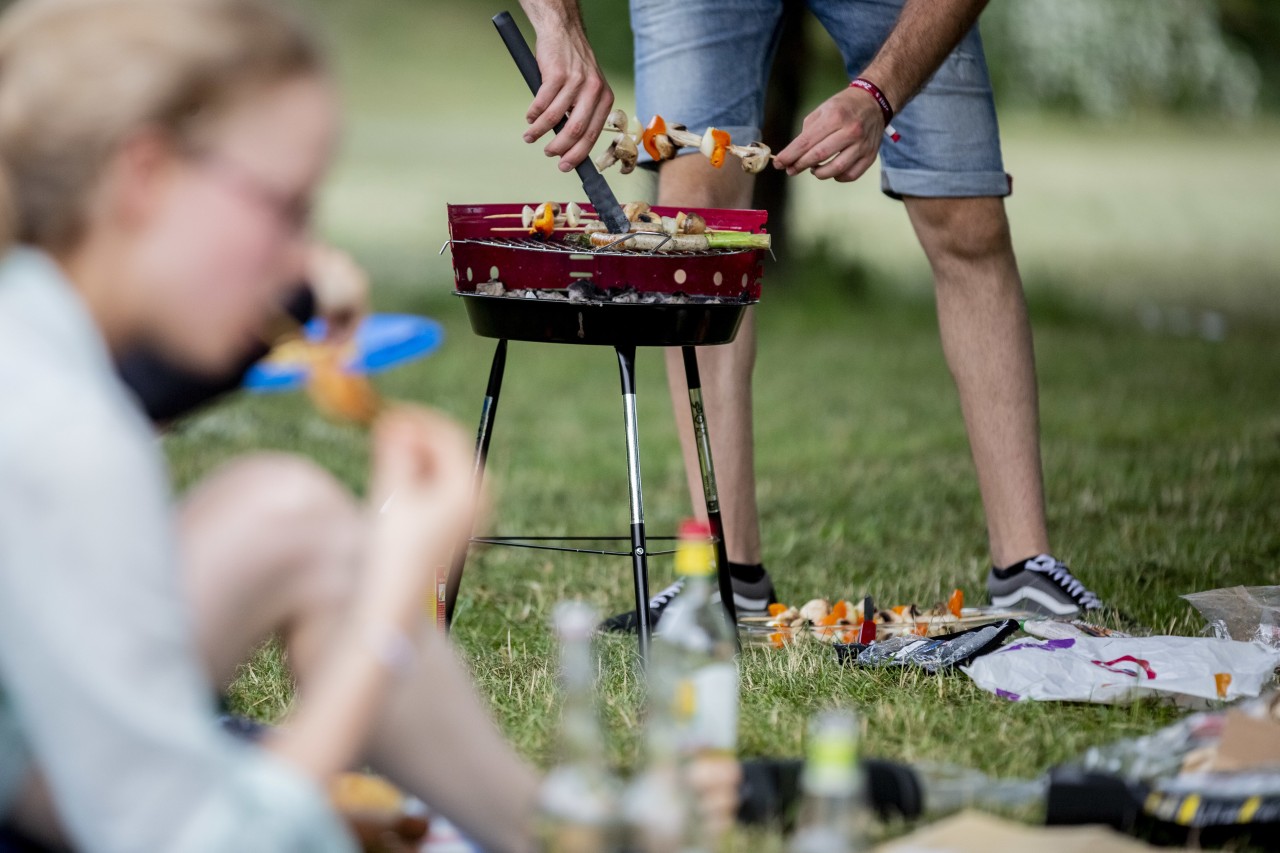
(488,411)
(703,440)
(639,544)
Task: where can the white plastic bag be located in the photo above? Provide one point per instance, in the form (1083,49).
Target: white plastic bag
(1116,670)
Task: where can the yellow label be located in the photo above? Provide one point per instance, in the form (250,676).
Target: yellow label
(1187,811)
(695,558)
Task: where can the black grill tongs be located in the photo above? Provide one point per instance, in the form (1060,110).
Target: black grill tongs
(593,183)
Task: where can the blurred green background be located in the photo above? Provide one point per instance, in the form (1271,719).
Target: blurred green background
(1142,136)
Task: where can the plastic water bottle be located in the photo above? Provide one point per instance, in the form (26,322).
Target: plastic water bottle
(699,649)
(657,807)
(692,678)
(834,817)
(578,801)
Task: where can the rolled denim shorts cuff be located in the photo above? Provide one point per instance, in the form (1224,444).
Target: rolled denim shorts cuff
(737,134)
(897,183)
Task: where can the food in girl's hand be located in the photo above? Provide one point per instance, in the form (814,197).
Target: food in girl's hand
(339,393)
(382,817)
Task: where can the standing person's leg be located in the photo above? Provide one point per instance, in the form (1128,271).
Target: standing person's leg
(704,63)
(949,170)
(726,374)
(986,338)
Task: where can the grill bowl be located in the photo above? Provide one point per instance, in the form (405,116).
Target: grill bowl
(482,253)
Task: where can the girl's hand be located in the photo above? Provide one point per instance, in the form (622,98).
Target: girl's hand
(421,496)
(341,290)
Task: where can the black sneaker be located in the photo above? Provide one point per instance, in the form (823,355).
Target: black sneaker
(1042,584)
(749,599)
(625,623)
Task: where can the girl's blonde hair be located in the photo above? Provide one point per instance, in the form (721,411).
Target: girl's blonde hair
(78,77)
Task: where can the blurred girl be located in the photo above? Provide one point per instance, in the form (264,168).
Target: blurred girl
(157,164)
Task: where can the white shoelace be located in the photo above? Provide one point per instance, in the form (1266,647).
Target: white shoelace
(1057,572)
(664,597)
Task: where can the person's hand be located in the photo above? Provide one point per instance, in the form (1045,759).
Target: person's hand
(840,138)
(572,83)
(341,290)
(716,781)
(421,499)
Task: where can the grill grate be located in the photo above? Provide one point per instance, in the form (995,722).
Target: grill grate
(532,245)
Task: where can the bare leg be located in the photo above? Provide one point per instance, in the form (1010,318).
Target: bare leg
(986,337)
(726,373)
(274,543)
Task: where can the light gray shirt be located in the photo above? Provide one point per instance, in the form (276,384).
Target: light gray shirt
(100,684)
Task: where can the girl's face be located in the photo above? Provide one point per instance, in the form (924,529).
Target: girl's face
(224,235)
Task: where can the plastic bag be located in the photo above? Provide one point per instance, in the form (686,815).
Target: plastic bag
(1245,613)
(1168,766)
(1113,670)
(931,654)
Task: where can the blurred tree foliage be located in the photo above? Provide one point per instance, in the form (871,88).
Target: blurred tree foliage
(1097,57)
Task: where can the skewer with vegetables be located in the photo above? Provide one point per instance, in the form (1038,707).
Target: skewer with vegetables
(662,141)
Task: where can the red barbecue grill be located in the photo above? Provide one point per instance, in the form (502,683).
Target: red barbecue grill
(556,291)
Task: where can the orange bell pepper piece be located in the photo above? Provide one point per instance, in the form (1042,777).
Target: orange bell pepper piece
(657,127)
(545,224)
(900,609)
(828,620)
(841,610)
(775,609)
(722,141)
(956,603)
(778,639)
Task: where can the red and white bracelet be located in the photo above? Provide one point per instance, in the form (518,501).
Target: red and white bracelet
(886,109)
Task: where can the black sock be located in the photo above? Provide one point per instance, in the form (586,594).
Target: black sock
(746,573)
(1013,568)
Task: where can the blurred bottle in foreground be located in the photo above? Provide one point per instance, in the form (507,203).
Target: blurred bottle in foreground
(834,817)
(697,649)
(692,678)
(657,806)
(578,801)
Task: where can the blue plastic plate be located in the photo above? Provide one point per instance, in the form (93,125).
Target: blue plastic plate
(383,341)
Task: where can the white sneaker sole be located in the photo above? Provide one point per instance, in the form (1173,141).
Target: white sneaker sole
(1029,593)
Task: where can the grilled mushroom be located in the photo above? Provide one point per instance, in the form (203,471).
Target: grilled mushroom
(816,609)
(682,138)
(633,209)
(616,122)
(621,150)
(754,157)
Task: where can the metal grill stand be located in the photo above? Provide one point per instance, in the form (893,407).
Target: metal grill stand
(639,539)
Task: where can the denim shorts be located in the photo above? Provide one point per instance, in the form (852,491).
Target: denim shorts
(706,63)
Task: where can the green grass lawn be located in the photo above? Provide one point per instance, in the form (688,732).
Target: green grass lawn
(1162,459)
(1161,448)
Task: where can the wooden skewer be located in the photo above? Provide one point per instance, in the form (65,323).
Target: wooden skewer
(583,215)
(527,230)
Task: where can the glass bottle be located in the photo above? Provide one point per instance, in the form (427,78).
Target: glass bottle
(577,806)
(834,817)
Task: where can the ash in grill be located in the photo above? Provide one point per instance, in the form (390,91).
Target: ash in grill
(586,291)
